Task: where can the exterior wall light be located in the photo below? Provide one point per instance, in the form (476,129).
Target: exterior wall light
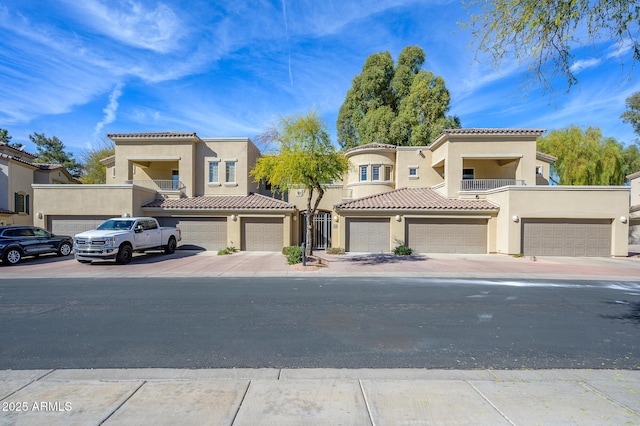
(623,219)
(398,218)
(515,218)
(295,217)
(234,217)
(126,215)
(336,218)
(39,215)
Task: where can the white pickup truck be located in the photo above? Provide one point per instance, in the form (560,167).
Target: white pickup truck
(118,238)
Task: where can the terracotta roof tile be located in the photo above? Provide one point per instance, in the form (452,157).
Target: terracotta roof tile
(5,211)
(370,146)
(635,208)
(492,131)
(222,202)
(414,199)
(157,135)
(545,157)
(633,175)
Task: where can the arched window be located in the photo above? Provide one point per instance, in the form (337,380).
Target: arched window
(21,202)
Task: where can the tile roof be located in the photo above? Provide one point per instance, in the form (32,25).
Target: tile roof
(157,135)
(635,208)
(5,211)
(633,175)
(414,199)
(222,202)
(545,157)
(370,146)
(492,131)
(18,159)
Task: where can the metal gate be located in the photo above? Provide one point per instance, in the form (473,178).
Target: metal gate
(321,230)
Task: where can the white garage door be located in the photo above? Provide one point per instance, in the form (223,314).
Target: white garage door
(368,235)
(262,234)
(199,233)
(72,225)
(545,237)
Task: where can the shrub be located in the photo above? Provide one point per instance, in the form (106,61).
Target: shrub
(335,250)
(228,250)
(402,250)
(518,255)
(293,253)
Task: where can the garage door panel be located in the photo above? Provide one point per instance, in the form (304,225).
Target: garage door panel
(199,233)
(549,237)
(262,234)
(468,236)
(72,225)
(368,235)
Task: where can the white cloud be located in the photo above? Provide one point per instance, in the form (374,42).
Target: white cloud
(583,64)
(133,23)
(109,110)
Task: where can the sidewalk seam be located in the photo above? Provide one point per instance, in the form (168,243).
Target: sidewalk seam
(246,392)
(491,403)
(608,398)
(366,403)
(121,404)
(28,384)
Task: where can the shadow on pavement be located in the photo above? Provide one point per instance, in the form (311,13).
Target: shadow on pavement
(383,259)
(632,315)
(152,256)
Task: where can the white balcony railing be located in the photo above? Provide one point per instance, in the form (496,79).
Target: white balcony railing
(159,185)
(487,184)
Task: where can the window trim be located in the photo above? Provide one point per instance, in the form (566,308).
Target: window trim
(365,169)
(414,175)
(227,163)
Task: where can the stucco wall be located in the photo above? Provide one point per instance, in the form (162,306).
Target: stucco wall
(419,157)
(89,200)
(557,202)
(240,149)
(368,158)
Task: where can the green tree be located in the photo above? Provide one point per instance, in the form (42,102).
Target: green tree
(398,105)
(5,137)
(305,158)
(543,33)
(584,158)
(52,151)
(632,114)
(93,171)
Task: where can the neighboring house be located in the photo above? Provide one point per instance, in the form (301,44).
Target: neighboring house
(634,216)
(201,185)
(469,191)
(17,173)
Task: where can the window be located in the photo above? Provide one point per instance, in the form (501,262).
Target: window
(387,173)
(230,171)
(39,232)
(413,172)
(113,172)
(21,202)
(175,179)
(213,172)
(375,172)
(538,170)
(363,173)
(467,174)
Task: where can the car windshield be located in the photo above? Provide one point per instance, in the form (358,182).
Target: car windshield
(114,224)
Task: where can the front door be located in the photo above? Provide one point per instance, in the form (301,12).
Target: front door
(175,180)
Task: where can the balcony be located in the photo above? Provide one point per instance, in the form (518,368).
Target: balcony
(168,188)
(487,184)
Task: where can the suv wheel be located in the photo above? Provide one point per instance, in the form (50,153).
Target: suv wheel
(64,249)
(12,256)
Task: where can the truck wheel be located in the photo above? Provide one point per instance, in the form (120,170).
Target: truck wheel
(124,255)
(170,248)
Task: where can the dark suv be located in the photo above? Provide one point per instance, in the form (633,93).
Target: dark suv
(17,242)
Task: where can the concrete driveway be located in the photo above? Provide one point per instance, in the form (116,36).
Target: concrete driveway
(209,264)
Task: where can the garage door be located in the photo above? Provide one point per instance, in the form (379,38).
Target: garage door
(468,236)
(566,237)
(262,234)
(199,233)
(368,235)
(72,225)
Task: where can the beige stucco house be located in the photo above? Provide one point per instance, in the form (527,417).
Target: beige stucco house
(634,219)
(469,191)
(18,172)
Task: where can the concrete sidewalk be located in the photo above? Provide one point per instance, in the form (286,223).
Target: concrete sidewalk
(269,264)
(319,396)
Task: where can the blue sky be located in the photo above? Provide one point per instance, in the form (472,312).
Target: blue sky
(81,69)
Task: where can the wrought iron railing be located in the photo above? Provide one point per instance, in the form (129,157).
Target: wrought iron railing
(487,184)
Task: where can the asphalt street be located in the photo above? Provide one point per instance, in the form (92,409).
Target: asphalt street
(328,322)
